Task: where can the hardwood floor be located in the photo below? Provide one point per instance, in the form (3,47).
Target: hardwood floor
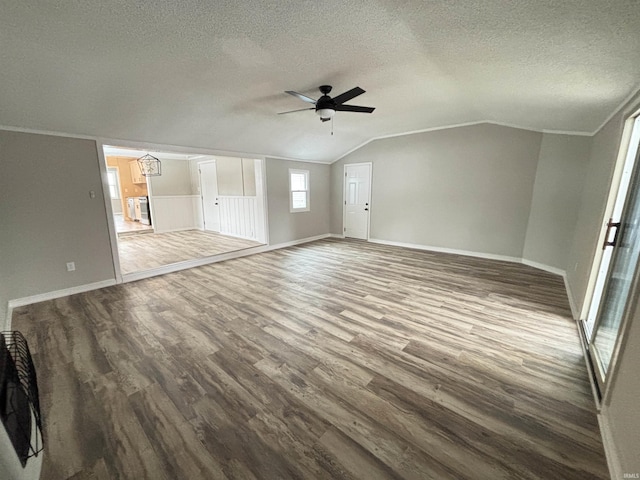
(335,359)
(152,250)
(125,227)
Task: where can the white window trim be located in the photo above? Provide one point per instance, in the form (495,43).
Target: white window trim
(117,184)
(291,192)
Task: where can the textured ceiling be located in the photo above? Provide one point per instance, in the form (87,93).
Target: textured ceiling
(207,74)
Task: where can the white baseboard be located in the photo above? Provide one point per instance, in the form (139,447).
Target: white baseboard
(243,237)
(199,262)
(297,242)
(336,235)
(41,297)
(610,450)
(542,266)
(575,313)
(467,253)
(19,302)
(489,256)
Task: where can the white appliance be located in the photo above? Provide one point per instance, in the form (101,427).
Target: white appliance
(131,208)
(138,209)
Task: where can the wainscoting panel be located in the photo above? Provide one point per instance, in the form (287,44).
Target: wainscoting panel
(174,212)
(238,216)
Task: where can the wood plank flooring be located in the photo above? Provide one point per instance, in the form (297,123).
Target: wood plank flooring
(152,250)
(125,227)
(335,359)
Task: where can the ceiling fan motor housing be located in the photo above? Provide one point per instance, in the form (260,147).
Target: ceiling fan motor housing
(326,107)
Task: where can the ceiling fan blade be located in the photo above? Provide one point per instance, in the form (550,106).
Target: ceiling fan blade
(304,98)
(348,95)
(299,110)
(354,108)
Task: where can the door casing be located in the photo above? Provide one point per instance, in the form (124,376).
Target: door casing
(209,204)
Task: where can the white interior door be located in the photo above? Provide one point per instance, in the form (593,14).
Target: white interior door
(209,193)
(357,200)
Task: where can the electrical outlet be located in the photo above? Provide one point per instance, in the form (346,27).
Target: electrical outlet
(71,266)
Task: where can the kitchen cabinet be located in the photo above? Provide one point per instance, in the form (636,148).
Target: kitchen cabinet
(136,173)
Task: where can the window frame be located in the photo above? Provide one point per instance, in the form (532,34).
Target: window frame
(307,208)
(116,174)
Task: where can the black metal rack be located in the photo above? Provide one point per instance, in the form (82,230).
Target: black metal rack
(19,400)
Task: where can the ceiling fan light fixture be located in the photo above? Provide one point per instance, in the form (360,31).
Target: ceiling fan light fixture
(325,112)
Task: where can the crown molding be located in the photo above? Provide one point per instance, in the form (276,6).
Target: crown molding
(468,124)
(617,110)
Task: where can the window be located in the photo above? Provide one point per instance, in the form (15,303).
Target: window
(112,179)
(298,190)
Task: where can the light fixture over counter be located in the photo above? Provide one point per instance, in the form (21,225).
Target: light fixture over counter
(150,166)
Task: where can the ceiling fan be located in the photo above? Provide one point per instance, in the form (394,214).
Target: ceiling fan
(326,107)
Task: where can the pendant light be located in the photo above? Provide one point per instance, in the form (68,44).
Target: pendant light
(150,166)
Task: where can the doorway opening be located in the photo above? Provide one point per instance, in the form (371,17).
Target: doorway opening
(165,221)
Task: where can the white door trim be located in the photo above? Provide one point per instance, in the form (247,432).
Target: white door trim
(111,224)
(344,196)
(206,162)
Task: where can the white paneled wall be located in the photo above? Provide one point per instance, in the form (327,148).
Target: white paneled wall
(238,216)
(175,212)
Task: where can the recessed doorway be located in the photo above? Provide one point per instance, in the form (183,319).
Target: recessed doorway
(160,221)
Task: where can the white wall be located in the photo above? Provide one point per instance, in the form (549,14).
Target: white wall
(557,191)
(466,188)
(174,202)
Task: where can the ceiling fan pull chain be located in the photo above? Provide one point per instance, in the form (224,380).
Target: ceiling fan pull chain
(332,125)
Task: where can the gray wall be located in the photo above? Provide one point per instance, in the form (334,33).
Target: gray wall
(621,414)
(47,217)
(175,179)
(285,226)
(555,204)
(249,177)
(229,173)
(236,176)
(466,188)
(604,151)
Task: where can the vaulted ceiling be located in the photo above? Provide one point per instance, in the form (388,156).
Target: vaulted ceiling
(212,74)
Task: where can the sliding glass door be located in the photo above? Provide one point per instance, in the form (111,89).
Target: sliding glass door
(624,243)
